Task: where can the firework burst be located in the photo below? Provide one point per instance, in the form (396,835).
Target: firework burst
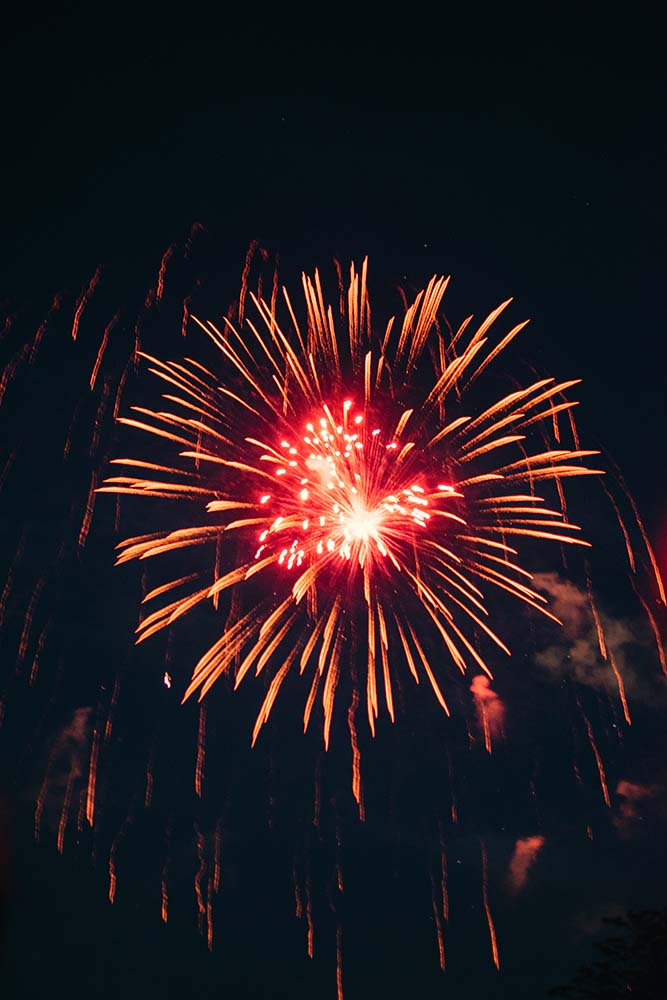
(359,507)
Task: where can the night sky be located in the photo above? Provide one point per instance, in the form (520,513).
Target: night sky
(121,132)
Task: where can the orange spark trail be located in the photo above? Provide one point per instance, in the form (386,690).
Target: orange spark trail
(487,908)
(438,924)
(201,749)
(309,919)
(164,910)
(244,279)
(209,914)
(88,513)
(112,878)
(596,753)
(112,862)
(339,960)
(55,306)
(136,354)
(28,619)
(596,618)
(38,652)
(81,814)
(65,810)
(450,770)
(112,707)
(199,876)
(12,369)
(119,391)
(99,417)
(103,346)
(339,868)
(83,300)
(92,771)
(356,755)
(217,857)
(164,888)
(649,548)
(656,631)
(39,805)
(148,794)
(7,589)
(621,688)
(624,530)
(186,316)
(112,856)
(298,905)
(443,876)
(166,256)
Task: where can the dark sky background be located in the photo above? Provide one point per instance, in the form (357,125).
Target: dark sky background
(120,130)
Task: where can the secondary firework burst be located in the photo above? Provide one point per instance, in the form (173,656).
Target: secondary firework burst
(357,506)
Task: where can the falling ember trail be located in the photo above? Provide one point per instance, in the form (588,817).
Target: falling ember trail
(487,908)
(309,919)
(199,877)
(621,687)
(164,890)
(65,810)
(443,875)
(596,753)
(164,911)
(148,795)
(103,346)
(217,856)
(201,749)
(38,652)
(159,291)
(656,632)
(92,774)
(28,619)
(209,914)
(83,300)
(339,960)
(108,729)
(437,916)
(298,905)
(88,512)
(356,755)
(186,316)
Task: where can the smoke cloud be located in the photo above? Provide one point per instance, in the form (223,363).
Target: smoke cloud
(524,857)
(490,708)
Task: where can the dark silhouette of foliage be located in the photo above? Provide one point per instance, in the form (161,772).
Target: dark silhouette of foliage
(633,965)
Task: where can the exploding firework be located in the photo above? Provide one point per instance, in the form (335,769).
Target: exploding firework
(359,505)
(361,492)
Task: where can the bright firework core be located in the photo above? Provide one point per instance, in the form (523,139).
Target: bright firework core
(338,484)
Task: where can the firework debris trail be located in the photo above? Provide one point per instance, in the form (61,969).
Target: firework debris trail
(311,466)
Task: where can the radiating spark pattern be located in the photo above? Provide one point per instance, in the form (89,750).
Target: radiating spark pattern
(353,533)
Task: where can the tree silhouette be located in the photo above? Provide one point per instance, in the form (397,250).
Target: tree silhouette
(633,965)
